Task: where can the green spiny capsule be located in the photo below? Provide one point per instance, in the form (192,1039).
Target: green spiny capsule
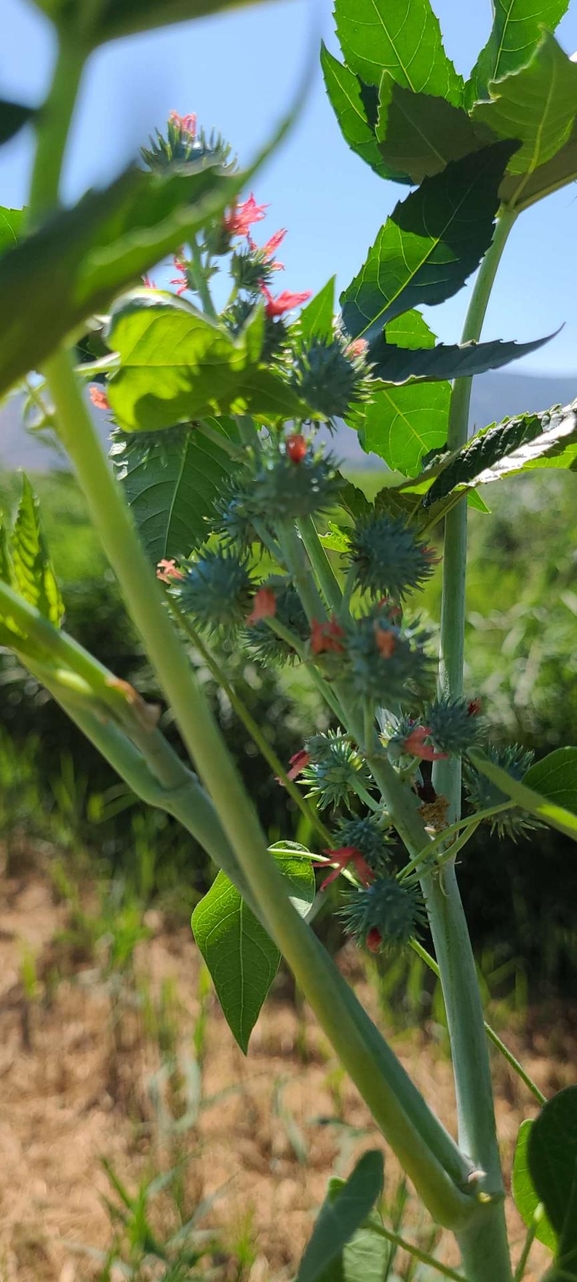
(388,558)
(217,590)
(286,486)
(388,664)
(264,643)
(482,793)
(335,766)
(366,835)
(327,378)
(385,914)
(453,724)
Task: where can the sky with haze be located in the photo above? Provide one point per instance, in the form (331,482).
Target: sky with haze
(237,72)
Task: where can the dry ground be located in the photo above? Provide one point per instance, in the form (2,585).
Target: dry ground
(80,1079)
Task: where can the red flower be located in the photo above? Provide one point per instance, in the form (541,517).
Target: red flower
(297,763)
(284,303)
(238,219)
(374,940)
(474,708)
(415,744)
(358,347)
(263,606)
(99,398)
(186,124)
(296,447)
(146,280)
(386,641)
(166,571)
(182,280)
(327,637)
(341,858)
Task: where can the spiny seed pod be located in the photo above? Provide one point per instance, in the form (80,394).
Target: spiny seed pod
(234,517)
(452,725)
(389,558)
(335,765)
(366,835)
(482,793)
(217,590)
(286,488)
(264,643)
(249,268)
(328,379)
(393,910)
(184,144)
(388,664)
(131,448)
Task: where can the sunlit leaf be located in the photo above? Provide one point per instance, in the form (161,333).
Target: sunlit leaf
(555,777)
(342,1214)
(528,1204)
(517,29)
(239,953)
(10,227)
(401,424)
(431,243)
(559,171)
(537,105)
(401,37)
(350,99)
(552,1156)
(317,317)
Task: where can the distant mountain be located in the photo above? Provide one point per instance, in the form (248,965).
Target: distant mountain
(494,397)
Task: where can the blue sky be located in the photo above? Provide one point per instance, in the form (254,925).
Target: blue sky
(238,72)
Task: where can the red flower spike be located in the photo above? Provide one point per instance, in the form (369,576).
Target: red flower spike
(182,280)
(415,744)
(238,219)
(166,571)
(327,637)
(297,764)
(374,940)
(341,858)
(474,708)
(187,124)
(386,641)
(285,302)
(263,606)
(296,447)
(99,398)
(146,280)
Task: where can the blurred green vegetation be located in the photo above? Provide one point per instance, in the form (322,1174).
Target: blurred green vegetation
(521,659)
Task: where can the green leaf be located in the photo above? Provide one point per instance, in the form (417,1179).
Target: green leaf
(537,804)
(552,1156)
(530,1208)
(343,1212)
(514,445)
(401,424)
(34,577)
(401,37)
(240,956)
(171,487)
(431,243)
(348,98)
(559,171)
(12,118)
(10,227)
(555,777)
(176,364)
(82,257)
(114,18)
(517,29)
(418,134)
(537,105)
(317,317)
(396,365)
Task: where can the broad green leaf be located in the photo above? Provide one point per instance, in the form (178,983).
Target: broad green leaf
(418,133)
(82,257)
(171,485)
(342,1214)
(512,446)
(240,955)
(401,37)
(552,1156)
(176,364)
(401,424)
(431,243)
(529,1206)
(537,804)
(317,317)
(555,777)
(10,228)
(559,171)
(410,330)
(396,365)
(537,105)
(12,118)
(349,100)
(517,29)
(113,18)
(34,577)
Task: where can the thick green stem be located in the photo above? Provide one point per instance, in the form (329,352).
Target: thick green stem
(52,129)
(321,564)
